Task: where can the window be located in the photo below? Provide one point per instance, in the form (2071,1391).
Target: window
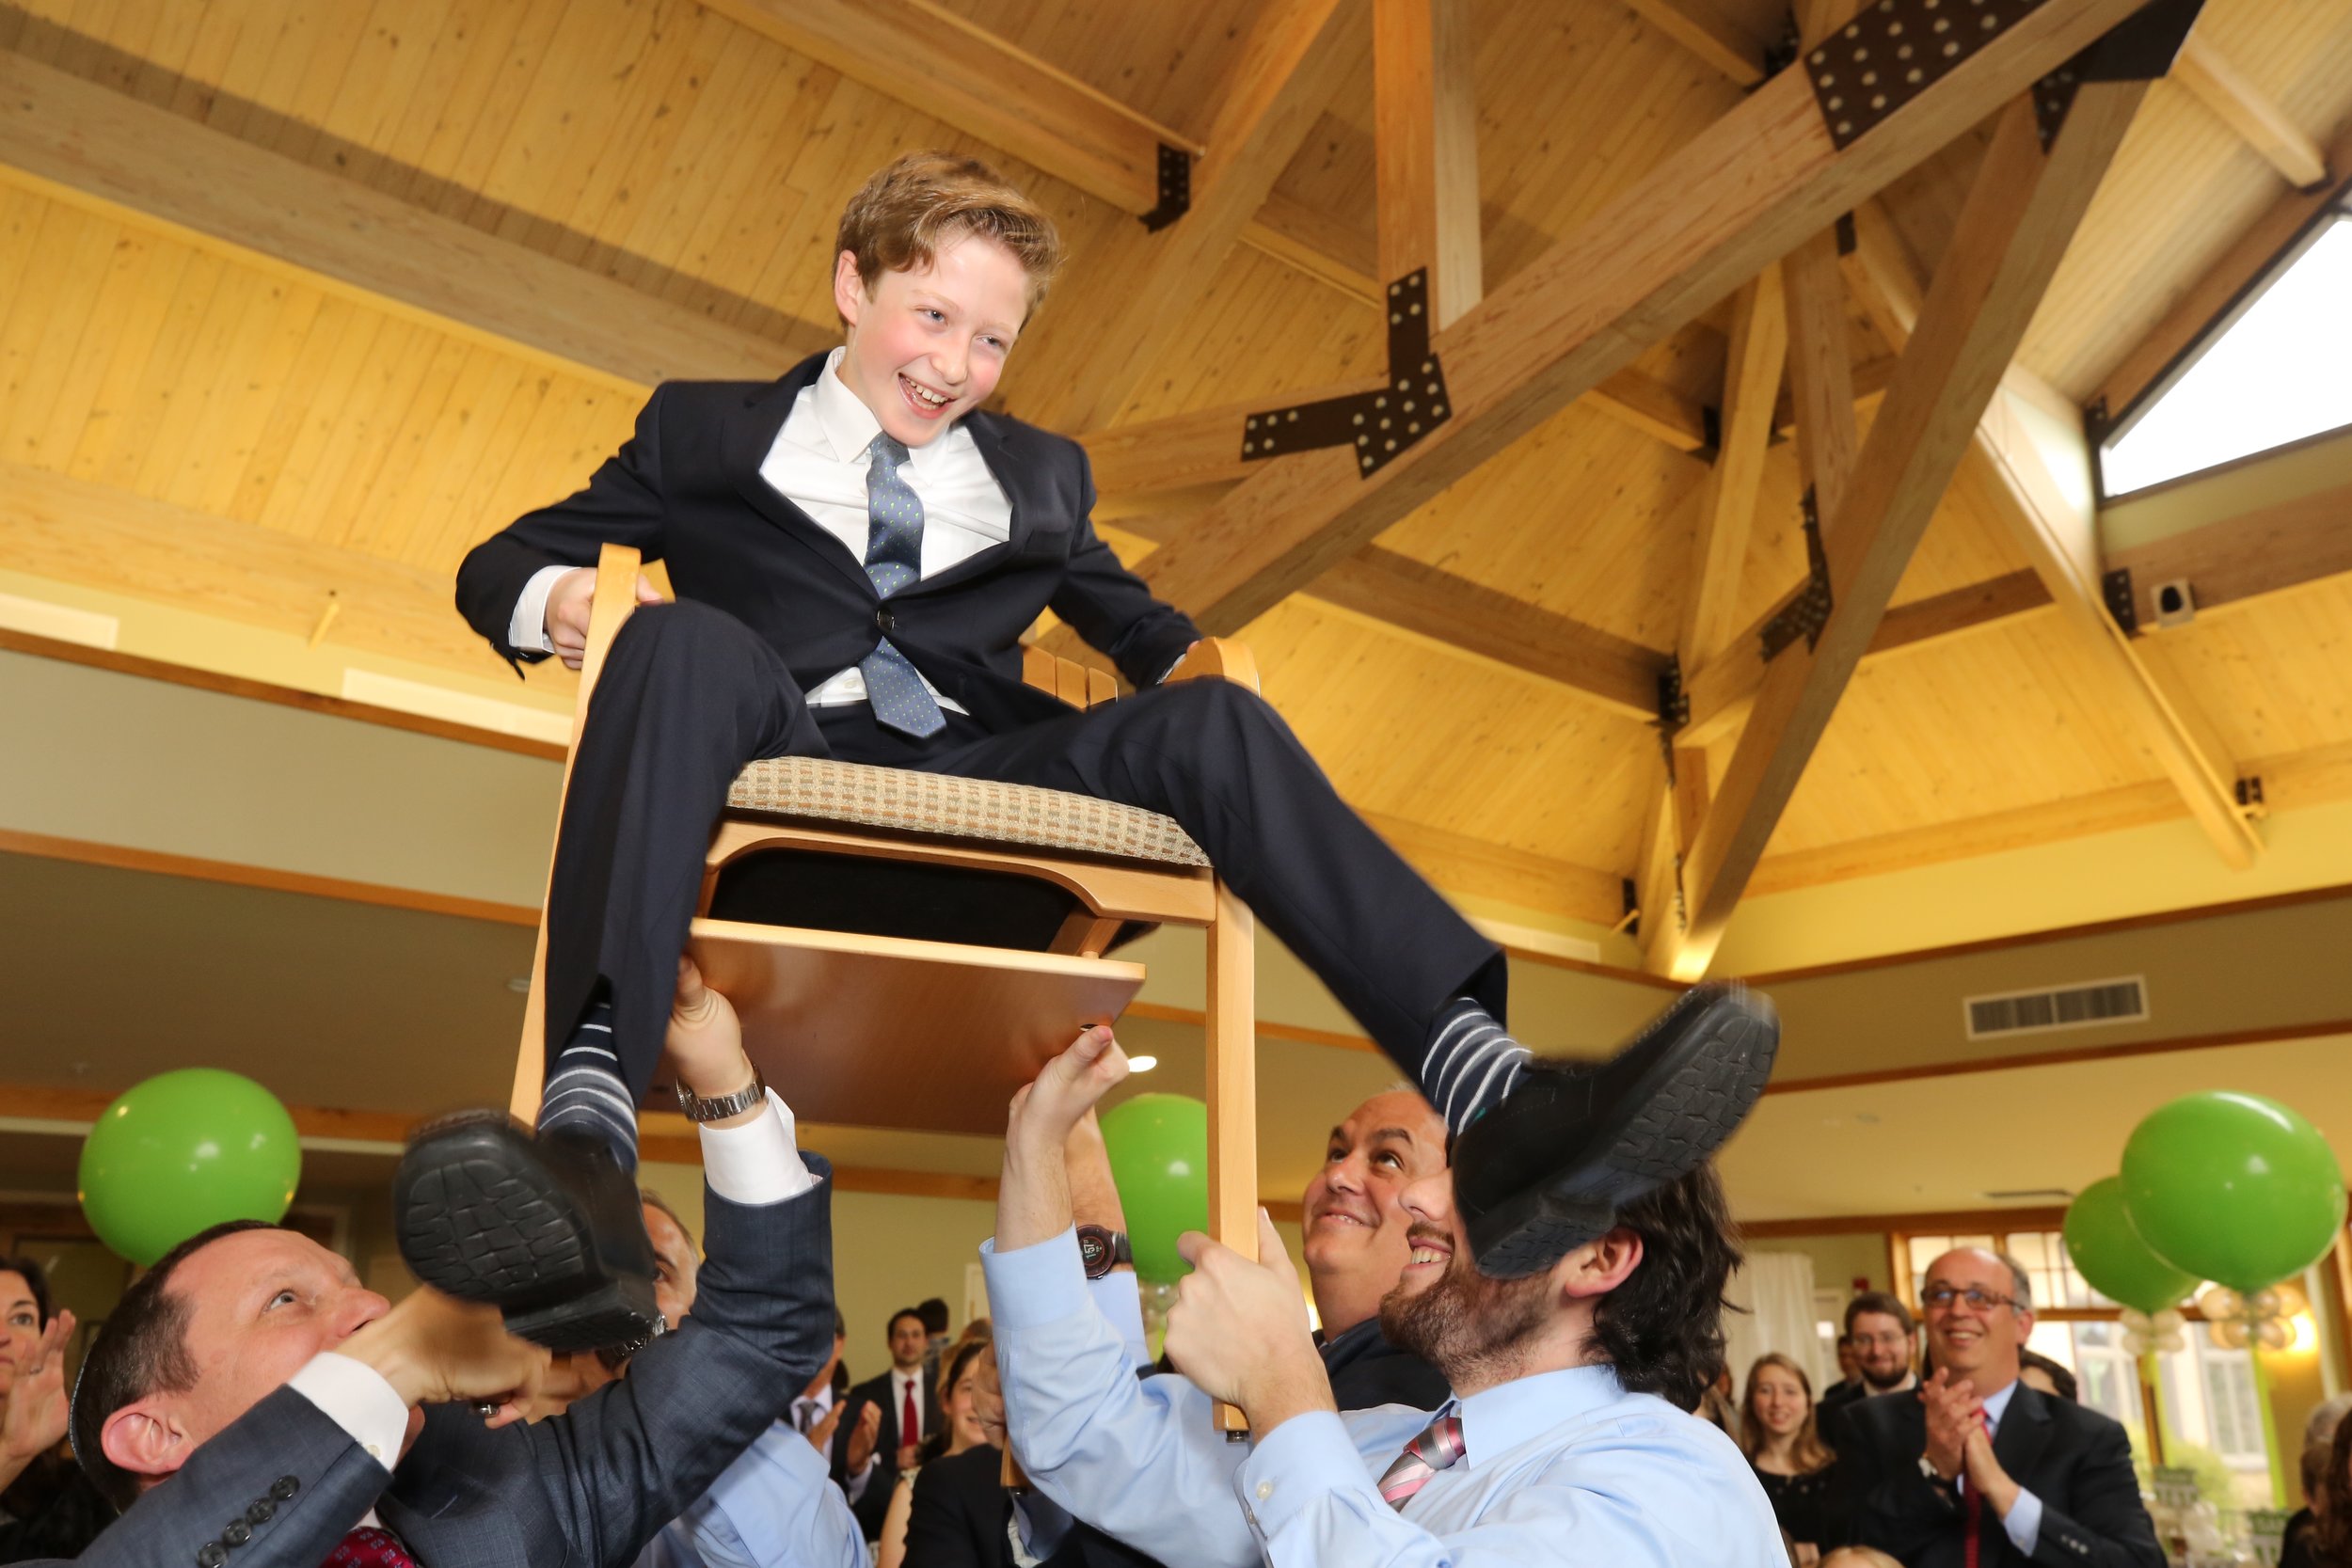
(2268,374)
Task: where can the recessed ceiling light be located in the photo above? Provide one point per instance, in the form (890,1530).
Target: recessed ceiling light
(1142,1063)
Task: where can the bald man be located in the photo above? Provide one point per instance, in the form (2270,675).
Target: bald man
(1355,1248)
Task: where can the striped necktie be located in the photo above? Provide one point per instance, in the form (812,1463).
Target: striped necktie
(1438,1447)
(894,559)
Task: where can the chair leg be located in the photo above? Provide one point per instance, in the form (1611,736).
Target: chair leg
(1233,1063)
(615,597)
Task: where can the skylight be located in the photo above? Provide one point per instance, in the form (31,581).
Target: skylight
(2276,374)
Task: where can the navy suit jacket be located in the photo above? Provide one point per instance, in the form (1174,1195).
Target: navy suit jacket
(874,1504)
(686,488)
(2075,1460)
(589,1487)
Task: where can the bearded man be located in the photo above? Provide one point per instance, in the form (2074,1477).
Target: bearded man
(1568,1440)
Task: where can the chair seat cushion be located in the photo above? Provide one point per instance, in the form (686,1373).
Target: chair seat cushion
(819,790)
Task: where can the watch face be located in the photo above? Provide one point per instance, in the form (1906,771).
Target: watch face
(1092,1247)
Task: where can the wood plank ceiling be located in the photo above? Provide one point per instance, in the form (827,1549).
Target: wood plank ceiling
(373,434)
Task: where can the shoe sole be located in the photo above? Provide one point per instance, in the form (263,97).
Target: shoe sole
(1692,1101)
(482,1221)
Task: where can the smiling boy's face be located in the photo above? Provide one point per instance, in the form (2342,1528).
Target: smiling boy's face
(927,346)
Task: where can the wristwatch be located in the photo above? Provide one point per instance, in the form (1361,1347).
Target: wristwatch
(725,1105)
(1104,1249)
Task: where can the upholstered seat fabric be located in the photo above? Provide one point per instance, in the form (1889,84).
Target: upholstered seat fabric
(822,791)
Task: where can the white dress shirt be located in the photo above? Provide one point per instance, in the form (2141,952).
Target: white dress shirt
(755,1163)
(819,463)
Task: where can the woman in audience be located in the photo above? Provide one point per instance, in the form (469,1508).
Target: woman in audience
(960,1401)
(1779,1436)
(48,1508)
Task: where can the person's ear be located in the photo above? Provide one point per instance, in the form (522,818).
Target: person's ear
(1599,1266)
(848,289)
(145,1439)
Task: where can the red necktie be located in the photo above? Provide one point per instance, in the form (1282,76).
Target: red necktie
(910,1423)
(1975,1518)
(367,1547)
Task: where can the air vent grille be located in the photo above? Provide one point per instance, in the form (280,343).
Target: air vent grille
(2081,1007)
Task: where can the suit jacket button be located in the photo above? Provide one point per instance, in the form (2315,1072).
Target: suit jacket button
(284,1487)
(211,1554)
(236,1533)
(884,621)
(260,1511)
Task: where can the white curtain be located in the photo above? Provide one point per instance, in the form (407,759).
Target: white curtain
(1776,1288)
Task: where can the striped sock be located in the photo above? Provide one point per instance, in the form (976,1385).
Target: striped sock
(585,1093)
(1471,1064)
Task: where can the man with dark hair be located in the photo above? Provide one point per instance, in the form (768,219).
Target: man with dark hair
(1880,1328)
(909,1403)
(251,1396)
(1572,1385)
(1979,1468)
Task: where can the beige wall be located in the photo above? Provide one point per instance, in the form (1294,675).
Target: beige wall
(1837,1260)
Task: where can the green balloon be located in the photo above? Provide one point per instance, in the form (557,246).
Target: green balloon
(184,1151)
(1159,1149)
(2109,1254)
(2232,1188)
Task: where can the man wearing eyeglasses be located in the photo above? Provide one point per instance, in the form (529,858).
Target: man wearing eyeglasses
(1973,1468)
(1880,1330)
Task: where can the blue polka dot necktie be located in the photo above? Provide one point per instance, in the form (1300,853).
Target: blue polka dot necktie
(894,558)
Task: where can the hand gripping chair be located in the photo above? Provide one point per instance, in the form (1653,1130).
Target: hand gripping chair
(998,902)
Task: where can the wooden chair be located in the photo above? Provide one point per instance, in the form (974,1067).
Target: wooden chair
(871,1029)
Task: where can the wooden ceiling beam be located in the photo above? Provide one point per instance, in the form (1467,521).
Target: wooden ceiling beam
(925,55)
(97,537)
(1188,451)
(77,142)
(1614,673)
(1425,147)
(1713,37)
(1289,68)
(1719,546)
(1436,606)
(2234,560)
(2224,286)
(1868,377)
(1488,870)
(2257,120)
(2022,211)
(1706,218)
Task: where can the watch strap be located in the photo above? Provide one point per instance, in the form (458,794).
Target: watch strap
(719,1107)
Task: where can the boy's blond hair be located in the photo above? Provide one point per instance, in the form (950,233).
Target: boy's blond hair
(910,208)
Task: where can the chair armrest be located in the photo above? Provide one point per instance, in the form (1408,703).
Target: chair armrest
(614,601)
(1222,657)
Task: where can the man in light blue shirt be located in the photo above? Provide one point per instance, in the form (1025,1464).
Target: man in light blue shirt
(1565,1444)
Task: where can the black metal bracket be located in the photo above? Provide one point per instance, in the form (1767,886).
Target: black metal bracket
(2138,49)
(1674,704)
(1895,51)
(1786,46)
(1809,612)
(1175,188)
(1633,912)
(2249,797)
(2116,589)
(1382,424)
(1849,240)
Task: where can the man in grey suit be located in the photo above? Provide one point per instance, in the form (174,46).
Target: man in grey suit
(250,1401)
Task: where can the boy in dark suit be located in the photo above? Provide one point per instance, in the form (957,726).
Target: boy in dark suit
(858,549)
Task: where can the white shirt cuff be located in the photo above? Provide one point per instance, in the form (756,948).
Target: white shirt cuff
(757,1162)
(355,1397)
(526,628)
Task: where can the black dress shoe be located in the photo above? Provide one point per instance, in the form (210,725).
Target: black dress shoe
(549,1231)
(1546,1170)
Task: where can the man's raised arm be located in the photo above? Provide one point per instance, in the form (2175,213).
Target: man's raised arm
(1139,1460)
